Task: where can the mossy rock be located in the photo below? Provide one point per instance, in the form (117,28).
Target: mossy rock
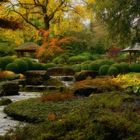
(9,88)
(85,74)
(5,101)
(53,82)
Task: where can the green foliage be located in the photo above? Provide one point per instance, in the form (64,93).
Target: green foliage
(5,101)
(103,70)
(22,65)
(4,61)
(134,67)
(95,65)
(6,50)
(98,48)
(122,67)
(12,67)
(38,66)
(80,58)
(109,12)
(95,112)
(77,67)
(29,62)
(62,59)
(49,65)
(113,71)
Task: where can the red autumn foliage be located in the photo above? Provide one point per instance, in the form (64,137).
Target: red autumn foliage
(50,46)
(55,97)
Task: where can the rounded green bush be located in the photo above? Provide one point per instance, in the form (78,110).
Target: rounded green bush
(12,67)
(118,66)
(77,67)
(113,71)
(22,65)
(134,67)
(38,66)
(95,65)
(4,61)
(29,63)
(103,70)
(49,65)
(124,67)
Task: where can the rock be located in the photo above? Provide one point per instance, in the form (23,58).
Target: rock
(85,74)
(85,91)
(57,71)
(36,77)
(5,101)
(9,88)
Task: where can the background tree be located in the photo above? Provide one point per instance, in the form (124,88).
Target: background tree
(121,18)
(38,10)
(7,23)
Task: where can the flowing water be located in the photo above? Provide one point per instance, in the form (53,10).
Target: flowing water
(6,122)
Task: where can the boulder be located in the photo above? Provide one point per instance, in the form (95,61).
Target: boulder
(36,77)
(57,71)
(85,74)
(85,91)
(5,101)
(9,88)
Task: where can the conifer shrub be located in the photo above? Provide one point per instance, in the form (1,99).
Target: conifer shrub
(103,70)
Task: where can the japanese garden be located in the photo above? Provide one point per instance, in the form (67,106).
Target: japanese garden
(69,69)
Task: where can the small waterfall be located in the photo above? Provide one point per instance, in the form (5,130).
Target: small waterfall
(66,80)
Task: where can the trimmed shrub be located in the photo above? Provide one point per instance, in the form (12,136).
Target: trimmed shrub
(12,67)
(124,67)
(5,61)
(95,65)
(113,71)
(49,65)
(118,66)
(77,67)
(62,59)
(134,67)
(29,63)
(22,65)
(80,58)
(38,66)
(103,70)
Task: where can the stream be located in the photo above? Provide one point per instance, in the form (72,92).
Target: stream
(6,123)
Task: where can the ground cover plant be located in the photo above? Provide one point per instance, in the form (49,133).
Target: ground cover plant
(104,116)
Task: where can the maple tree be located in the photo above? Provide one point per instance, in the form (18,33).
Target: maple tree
(33,11)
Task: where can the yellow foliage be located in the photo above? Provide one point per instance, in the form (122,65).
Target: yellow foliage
(131,79)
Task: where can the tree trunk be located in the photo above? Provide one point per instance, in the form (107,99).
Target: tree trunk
(47,22)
